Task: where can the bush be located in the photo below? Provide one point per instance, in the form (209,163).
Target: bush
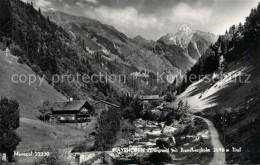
(20,60)
(36,68)
(16,50)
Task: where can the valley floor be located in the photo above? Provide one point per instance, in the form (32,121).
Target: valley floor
(146,136)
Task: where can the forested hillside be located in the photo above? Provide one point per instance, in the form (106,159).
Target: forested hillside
(133,56)
(231,46)
(47,48)
(230,99)
(118,53)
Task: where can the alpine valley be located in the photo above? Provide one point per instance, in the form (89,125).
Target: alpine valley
(152,107)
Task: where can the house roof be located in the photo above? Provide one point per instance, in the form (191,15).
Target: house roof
(149,97)
(105,102)
(74,105)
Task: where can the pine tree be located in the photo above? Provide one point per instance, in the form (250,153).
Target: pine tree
(240,27)
(186,107)
(39,11)
(45,110)
(232,29)
(83,45)
(9,122)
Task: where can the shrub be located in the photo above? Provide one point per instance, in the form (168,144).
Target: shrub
(36,68)
(20,60)
(16,50)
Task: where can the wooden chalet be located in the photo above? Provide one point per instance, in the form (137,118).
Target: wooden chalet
(149,101)
(75,111)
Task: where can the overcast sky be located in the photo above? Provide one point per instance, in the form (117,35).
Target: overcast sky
(155,18)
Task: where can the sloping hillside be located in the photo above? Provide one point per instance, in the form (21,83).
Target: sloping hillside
(140,40)
(230,100)
(241,77)
(151,56)
(48,49)
(34,133)
(112,52)
(98,37)
(28,96)
(236,98)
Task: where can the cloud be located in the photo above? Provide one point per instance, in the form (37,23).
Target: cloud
(92,1)
(127,20)
(132,22)
(184,12)
(154,18)
(43,3)
(128,17)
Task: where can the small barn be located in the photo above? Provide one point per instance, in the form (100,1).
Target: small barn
(75,111)
(149,101)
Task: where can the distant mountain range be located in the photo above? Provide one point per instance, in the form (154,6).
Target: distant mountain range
(172,53)
(99,37)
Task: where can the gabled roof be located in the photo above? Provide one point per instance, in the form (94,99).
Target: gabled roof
(74,105)
(149,97)
(105,102)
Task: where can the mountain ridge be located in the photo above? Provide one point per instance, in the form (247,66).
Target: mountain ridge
(195,42)
(142,54)
(130,49)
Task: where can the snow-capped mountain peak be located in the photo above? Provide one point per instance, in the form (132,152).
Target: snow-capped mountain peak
(185,28)
(182,37)
(193,41)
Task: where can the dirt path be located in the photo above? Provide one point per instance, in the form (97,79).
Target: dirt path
(219,157)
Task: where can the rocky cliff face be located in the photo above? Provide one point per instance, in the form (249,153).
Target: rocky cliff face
(194,42)
(180,38)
